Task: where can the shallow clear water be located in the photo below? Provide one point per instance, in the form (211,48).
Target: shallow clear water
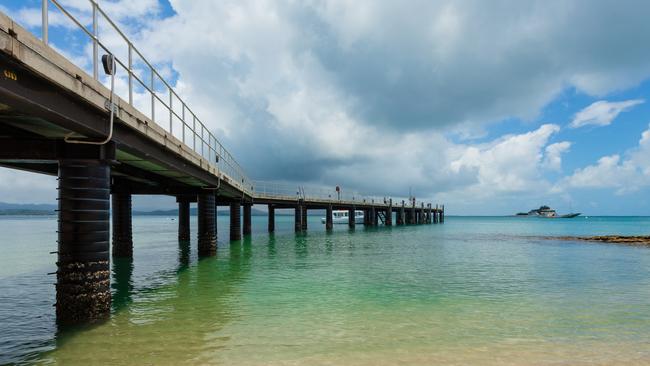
(472,291)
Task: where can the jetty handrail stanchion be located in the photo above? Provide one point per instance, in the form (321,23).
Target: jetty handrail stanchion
(171,111)
(44,21)
(130,73)
(95,39)
(153,98)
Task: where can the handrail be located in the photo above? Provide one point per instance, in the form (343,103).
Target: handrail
(203,142)
(287,191)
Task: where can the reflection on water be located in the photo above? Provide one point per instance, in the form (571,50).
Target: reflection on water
(472,291)
(183,255)
(122,282)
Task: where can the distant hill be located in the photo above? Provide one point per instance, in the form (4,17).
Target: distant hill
(43,209)
(39,209)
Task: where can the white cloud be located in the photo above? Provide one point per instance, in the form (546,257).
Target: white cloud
(602,113)
(625,174)
(553,158)
(364,93)
(17,186)
(510,164)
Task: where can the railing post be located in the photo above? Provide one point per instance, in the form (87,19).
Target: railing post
(202,142)
(171,111)
(183,124)
(153,97)
(130,73)
(44,23)
(194,131)
(95,46)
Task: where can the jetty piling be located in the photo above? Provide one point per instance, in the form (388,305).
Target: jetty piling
(83,291)
(235,221)
(122,225)
(374,220)
(298,217)
(247,218)
(413,218)
(206,231)
(400,215)
(183,217)
(329,224)
(271,215)
(304,217)
(435,215)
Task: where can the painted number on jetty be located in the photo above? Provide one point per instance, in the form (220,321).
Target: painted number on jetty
(10,75)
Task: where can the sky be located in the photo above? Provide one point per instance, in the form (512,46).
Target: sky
(491,107)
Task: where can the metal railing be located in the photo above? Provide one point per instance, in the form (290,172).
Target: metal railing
(287,191)
(193,133)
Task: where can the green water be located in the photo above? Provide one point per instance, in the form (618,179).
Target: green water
(474,291)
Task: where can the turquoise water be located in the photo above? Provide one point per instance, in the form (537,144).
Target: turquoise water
(476,290)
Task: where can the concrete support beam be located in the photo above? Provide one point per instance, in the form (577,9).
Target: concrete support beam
(304,217)
(298,218)
(183,218)
(235,221)
(421,214)
(413,218)
(389,214)
(329,223)
(122,226)
(207,229)
(247,218)
(435,215)
(83,292)
(271,218)
(352,218)
(401,215)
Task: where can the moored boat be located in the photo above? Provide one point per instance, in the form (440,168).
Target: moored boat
(341,217)
(547,213)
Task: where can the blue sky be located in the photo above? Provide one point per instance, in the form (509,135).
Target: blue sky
(489,107)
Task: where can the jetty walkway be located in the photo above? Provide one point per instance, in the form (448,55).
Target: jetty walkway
(106,144)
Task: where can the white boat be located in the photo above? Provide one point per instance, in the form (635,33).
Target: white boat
(546,212)
(341,217)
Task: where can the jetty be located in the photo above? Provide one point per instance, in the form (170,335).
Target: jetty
(105,146)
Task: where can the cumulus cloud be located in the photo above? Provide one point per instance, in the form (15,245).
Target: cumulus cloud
(602,113)
(300,89)
(625,174)
(553,158)
(365,94)
(512,163)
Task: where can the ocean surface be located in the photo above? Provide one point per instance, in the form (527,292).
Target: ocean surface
(472,291)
